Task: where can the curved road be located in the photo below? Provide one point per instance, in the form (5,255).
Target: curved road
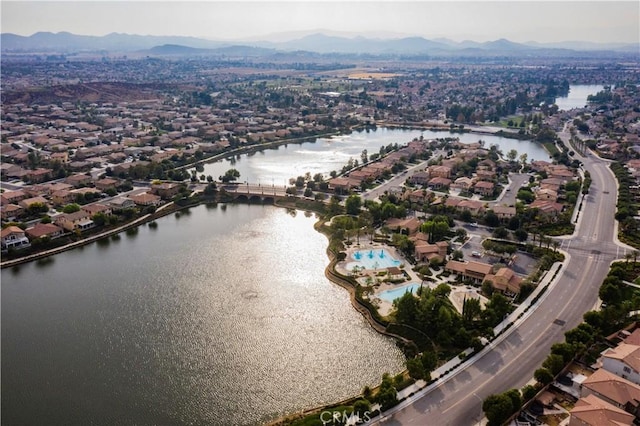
(458,400)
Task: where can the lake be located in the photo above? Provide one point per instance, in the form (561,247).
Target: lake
(577,97)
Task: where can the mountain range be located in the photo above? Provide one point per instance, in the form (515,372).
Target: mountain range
(67,43)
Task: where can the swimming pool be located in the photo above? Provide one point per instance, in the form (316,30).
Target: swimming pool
(391,295)
(372,259)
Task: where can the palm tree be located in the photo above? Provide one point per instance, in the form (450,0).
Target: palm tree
(555,244)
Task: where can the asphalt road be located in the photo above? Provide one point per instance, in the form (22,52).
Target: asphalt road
(511,363)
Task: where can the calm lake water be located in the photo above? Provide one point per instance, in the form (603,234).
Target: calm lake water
(276,166)
(577,97)
(222,316)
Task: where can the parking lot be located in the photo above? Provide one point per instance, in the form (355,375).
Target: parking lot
(523,263)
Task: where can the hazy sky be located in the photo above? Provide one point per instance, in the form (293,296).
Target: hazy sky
(520,21)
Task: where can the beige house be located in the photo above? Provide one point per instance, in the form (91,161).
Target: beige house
(505,280)
(425,252)
(504,212)
(146,199)
(475,271)
(80,220)
(408,225)
(484,188)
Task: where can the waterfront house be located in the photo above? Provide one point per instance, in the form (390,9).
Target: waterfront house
(146,199)
(13,237)
(121,203)
(166,190)
(41,230)
(80,220)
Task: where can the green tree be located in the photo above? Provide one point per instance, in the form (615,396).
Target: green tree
(543,376)
(71,208)
(353,204)
(497,409)
(230,176)
(387,395)
(416,369)
(554,363)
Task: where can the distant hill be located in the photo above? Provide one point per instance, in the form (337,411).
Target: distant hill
(64,42)
(321,43)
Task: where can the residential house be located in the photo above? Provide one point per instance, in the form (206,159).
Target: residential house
(80,220)
(439,183)
(146,199)
(60,198)
(13,197)
(106,183)
(504,212)
(11,212)
(613,389)
(121,203)
(486,175)
(505,280)
(41,230)
(78,180)
(548,208)
(624,361)
(440,171)
(593,411)
(420,178)
(426,252)
(38,175)
(342,184)
(407,226)
(166,190)
(484,188)
(94,208)
(463,183)
(546,194)
(475,271)
(419,196)
(473,206)
(13,237)
(28,202)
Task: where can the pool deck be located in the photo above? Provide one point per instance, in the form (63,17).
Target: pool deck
(370,277)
